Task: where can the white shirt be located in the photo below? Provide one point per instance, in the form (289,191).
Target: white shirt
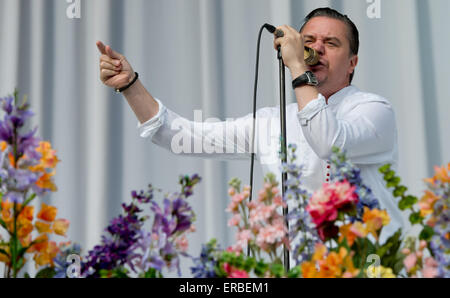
(362,124)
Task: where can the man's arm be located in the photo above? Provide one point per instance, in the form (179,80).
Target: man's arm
(292,46)
(365,133)
(116,72)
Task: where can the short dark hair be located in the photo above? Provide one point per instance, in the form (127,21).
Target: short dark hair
(353,33)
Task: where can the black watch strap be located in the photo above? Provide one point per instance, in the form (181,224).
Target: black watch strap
(308,78)
(136,77)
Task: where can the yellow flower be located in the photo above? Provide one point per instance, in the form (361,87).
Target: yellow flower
(47,213)
(359,229)
(375,219)
(383,272)
(60,226)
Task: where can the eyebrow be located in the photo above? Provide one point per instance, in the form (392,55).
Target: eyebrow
(330,38)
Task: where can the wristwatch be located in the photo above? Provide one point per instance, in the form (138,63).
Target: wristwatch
(308,78)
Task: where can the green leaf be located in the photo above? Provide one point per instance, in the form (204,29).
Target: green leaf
(399,191)
(415,218)
(277,270)
(407,202)
(389,251)
(26,275)
(261,268)
(426,233)
(384,169)
(3,223)
(250,263)
(2,251)
(46,273)
(389,175)
(393,182)
(295,272)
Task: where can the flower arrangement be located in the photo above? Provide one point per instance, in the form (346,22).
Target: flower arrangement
(27,167)
(334,232)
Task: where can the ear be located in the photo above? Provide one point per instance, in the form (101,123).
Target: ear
(353,64)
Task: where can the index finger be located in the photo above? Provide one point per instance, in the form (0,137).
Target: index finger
(101,47)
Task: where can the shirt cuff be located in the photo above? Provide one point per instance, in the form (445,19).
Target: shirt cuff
(149,128)
(311,110)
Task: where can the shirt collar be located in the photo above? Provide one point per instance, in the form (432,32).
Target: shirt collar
(336,98)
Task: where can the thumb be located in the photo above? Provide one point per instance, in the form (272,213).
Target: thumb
(113,54)
(101,47)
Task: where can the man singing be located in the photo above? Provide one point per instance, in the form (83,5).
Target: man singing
(330,112)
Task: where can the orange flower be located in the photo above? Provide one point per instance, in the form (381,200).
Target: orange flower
(330,266)
(375,219)
(42,227)
(27,213)
(60,226)
(47,213)
(45,256)
(359,229)
(45,181)
(26,241)
(40,245)
(3,146)
(49,160)
(441,174)
(426,203)
(6,211)
(24,228)
(5,258)
(347,233)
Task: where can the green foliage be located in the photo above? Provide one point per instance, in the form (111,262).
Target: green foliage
(45,273)
(407,202)
(426,233)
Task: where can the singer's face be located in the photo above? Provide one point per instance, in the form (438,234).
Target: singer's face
(329,37)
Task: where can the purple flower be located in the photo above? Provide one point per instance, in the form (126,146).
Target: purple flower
(115,248)
(204,265)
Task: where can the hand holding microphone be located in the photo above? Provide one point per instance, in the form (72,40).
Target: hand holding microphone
(290,42)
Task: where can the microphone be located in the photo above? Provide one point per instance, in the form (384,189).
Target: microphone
(311,56)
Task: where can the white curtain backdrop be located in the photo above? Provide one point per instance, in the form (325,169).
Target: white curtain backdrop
(200,54)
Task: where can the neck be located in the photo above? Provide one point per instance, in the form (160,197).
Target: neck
(328,92)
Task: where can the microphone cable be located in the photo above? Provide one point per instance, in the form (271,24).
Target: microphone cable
(271,29)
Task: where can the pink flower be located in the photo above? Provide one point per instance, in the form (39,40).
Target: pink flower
(430,268)
(410,261)
(235,220)
(326,202)
(233,207)
(243,237)
(278,201)
(233,272)
(231,191)
(182,243)
(238,274)
(271,234)
(237,198)
(262,213)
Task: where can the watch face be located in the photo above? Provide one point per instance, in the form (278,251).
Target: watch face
(312,80)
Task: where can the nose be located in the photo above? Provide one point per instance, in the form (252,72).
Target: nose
(319,47)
